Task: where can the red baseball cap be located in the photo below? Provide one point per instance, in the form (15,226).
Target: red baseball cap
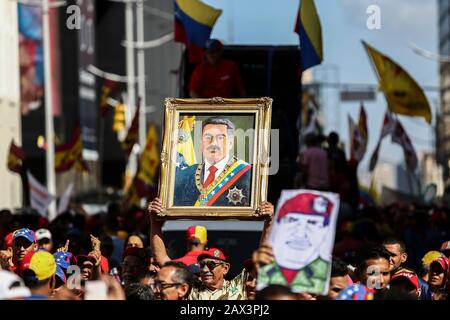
(213,253)
(443,262)
(9,240)
(307,203)
(410,276)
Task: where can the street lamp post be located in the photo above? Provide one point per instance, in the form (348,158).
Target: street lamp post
(49,130)
(141,73)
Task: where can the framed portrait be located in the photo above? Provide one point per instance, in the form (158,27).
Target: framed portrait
(215,158)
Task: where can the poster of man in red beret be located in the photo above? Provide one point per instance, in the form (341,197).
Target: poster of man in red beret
(302,239)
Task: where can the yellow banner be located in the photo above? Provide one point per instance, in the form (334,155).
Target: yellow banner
(403,94)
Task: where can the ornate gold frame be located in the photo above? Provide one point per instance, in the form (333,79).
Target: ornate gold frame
(262,107)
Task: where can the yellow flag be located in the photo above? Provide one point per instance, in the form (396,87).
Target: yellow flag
(373,191)
(403,94)
(185,145)
(149,160)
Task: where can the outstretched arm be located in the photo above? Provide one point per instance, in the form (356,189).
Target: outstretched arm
(266,210)
(156,240)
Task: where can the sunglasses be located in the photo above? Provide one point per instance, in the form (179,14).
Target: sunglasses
(210,264)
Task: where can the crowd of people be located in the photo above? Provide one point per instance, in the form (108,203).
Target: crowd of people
(394,252)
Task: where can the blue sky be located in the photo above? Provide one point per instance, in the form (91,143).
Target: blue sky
(343,27)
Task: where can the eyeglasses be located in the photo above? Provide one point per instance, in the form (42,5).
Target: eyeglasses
(210,264)
(163,286)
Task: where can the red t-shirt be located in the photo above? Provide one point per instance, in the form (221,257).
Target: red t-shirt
(189,258)
(220,80)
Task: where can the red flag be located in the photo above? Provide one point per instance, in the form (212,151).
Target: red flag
(386,129)
(400,136)
(16,157)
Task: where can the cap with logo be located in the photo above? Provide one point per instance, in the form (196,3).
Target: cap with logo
(408,275)
(197,234)
(43,234)
(213,253)
(443,262)
(25,233)
(309,204)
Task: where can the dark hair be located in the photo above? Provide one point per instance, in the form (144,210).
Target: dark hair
(31,281)
(222,121)
(269,292)
(370,252)
(140,235)
(182,274)
(390,241)
(338,268)
(310,139)
(137,291)
(394,293)
(333,138)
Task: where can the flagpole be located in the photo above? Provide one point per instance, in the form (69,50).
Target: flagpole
(49,129)
(141,73)
(130,65)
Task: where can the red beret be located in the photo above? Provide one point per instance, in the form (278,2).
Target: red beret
(307,203)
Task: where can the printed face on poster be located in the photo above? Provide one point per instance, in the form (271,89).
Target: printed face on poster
(302,238)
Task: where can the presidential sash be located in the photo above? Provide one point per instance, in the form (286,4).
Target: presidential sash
(226,179)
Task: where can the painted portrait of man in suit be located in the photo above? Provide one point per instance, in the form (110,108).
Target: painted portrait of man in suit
(220,179)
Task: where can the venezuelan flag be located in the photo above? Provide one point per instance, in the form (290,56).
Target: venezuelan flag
(185,146)
(194,21)
(310,32)
(70,154)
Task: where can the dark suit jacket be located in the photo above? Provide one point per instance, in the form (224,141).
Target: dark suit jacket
(186,192)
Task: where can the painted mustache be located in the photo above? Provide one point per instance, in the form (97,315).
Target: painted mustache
(213,148)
